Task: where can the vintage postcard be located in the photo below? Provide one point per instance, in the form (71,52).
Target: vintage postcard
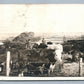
(41,42)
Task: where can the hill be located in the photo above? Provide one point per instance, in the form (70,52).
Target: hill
(24,37)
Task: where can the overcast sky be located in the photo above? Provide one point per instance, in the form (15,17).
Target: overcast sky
(47,18)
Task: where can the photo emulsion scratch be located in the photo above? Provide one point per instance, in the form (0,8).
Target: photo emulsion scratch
(41,42)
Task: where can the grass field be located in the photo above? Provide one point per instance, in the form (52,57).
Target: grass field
(69,70)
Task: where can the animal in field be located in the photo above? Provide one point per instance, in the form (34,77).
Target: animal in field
(56,57)
(58,50)
(41,58)
(41,61)
(76,54)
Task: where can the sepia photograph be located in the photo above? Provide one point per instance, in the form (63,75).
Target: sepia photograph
(41,41)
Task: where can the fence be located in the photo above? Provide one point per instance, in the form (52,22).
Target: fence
(8,70)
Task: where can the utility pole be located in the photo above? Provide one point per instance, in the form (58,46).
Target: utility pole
(64,39)
(80,67)
(8,64)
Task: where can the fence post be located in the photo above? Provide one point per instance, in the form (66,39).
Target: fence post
(80,66)
(8,63)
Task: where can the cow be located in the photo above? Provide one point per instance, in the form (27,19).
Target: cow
(58,50)
(57,56)
(44,58)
